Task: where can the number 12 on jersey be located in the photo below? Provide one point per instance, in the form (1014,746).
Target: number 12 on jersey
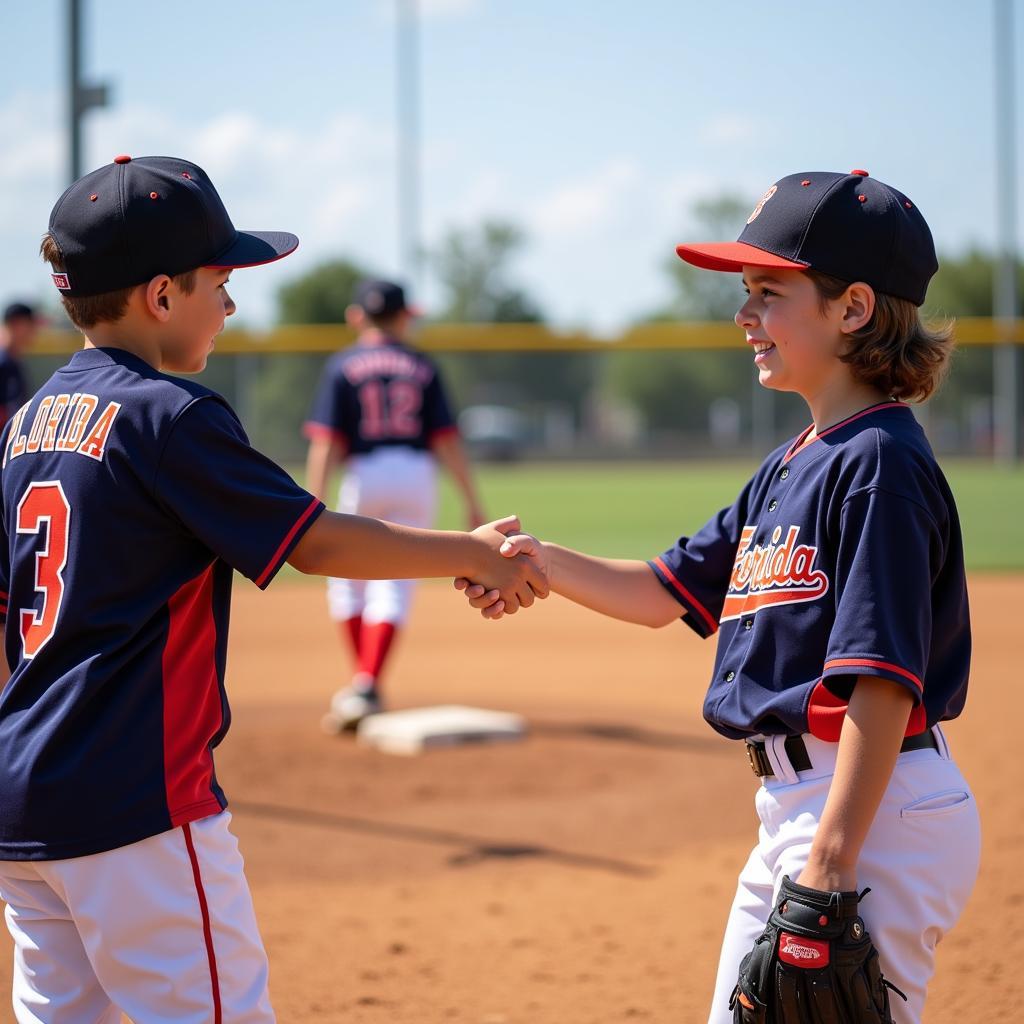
(390,410)
(44,509)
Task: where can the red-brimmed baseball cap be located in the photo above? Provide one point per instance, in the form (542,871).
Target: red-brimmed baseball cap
(850,226)
(133,219)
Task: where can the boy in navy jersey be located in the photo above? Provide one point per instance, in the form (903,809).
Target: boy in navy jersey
(129,498)
(836,585)
(382,408)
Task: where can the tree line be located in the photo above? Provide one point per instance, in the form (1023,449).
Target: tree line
(662,393)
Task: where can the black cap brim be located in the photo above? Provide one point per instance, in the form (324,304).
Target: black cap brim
(253,248)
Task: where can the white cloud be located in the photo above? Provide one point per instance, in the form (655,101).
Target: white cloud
(448,8)
(31,166)
(386,10)
(27,150)
(590,203)
(728,130)
(335,189)
(595,242)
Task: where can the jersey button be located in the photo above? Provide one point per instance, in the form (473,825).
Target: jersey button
(748,624)
(730,676)
(784,473)
(772,505)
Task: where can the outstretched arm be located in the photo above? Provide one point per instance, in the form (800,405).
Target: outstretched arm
(355,547)
(620,588)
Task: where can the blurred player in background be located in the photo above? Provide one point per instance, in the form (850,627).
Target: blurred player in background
(20,326)
(381,408)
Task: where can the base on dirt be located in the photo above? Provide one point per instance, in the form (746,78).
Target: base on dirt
(449,725)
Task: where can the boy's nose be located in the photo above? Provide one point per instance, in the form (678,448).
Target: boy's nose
(745,317)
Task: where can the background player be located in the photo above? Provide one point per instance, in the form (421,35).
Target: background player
(836,585)
(20,326)
(381,408)
(129,499)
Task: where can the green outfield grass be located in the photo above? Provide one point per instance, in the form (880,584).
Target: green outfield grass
(637,510)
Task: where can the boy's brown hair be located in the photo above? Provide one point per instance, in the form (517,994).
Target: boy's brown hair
(86,311)
(896,351)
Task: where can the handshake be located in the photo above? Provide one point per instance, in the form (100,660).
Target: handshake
(513,570)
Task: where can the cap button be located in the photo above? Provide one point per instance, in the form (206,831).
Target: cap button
(863,174)
(122,159)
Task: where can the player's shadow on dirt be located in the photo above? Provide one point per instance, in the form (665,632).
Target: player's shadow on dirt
(471,849)
(630,734)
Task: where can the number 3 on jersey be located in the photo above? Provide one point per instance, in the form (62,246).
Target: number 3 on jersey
(45,503)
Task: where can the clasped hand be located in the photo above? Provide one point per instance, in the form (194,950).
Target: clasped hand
(521,553)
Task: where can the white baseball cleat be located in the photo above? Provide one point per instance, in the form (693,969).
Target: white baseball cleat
(349,706)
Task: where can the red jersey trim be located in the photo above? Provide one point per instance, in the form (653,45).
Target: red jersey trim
(826,712)
(315,431)
(193,712)
(798,445)
(442,432)
(204,909)
(264,576)
(869,663)
(698,607)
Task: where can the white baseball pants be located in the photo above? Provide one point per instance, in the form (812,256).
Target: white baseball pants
(396,484)
(920,860)
(163,930)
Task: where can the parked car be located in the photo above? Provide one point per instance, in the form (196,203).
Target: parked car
(493,433)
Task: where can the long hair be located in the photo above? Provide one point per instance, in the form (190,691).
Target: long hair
(895,351)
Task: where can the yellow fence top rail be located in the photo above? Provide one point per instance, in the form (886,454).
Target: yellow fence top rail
(695,335)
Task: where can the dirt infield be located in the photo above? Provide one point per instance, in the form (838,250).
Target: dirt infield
(580,877)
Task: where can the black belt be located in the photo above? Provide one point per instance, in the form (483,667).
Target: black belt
(796,751)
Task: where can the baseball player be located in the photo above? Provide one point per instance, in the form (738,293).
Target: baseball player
(20,326)
(129,497)
(835,583)
(381,407)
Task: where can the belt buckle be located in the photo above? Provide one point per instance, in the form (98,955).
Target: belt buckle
(759,763)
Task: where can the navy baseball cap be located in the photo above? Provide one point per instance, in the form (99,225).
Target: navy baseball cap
(382,298)
(129,221)
(850,226)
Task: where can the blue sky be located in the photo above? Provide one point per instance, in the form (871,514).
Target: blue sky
(593,125)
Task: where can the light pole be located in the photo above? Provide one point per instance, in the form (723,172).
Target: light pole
(1004,290)
(81,97)
(407,60)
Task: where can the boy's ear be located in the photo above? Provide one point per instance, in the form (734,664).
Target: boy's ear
(157,297)
(858,307)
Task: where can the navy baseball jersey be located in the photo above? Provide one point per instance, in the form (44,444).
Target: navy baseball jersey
(376,395)
(841,557)
(129,498)
(12,386)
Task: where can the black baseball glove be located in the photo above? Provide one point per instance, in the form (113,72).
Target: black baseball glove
(814,963)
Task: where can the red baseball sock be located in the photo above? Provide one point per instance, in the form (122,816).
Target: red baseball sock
(350,631)
(374,644)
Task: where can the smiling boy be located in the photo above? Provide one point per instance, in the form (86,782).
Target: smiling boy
(835,584)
